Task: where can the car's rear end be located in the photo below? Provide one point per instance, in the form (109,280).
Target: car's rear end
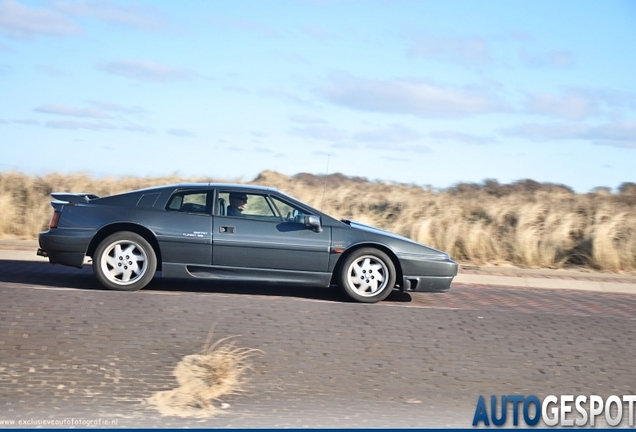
(68,237)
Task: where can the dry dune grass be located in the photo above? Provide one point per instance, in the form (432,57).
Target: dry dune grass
(525,223)
(25,199)
(203,378)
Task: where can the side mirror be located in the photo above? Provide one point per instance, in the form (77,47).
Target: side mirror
(313,222)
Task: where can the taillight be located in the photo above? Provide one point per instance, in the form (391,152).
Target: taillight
(54,219)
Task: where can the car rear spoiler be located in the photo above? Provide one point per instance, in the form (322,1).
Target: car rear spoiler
(74,198)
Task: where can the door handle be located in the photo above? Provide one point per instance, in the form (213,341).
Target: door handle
(227,229)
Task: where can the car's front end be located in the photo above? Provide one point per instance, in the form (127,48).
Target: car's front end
(422,268)
(427,272)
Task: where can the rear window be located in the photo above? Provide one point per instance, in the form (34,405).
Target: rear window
(189,202)
(147,200)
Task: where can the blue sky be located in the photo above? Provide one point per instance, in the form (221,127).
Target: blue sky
(424,92)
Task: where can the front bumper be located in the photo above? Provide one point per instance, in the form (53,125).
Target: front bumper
(439,284)
(427,274)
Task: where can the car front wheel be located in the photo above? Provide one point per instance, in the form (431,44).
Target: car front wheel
(124,261)
(367,275)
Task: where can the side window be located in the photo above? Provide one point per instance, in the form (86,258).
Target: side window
(189,202)
(289,212)
(247,205)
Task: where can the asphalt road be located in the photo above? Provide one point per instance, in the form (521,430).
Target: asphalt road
(71,350)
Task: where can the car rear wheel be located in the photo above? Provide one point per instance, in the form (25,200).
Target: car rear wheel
(367,275)
(124,261)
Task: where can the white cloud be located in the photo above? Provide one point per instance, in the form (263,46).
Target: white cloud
(619,144)
(396,159)
(96,126)
(551,59)
(543,132)
(181,132)
(320,132)
(467,51)
(72,124)
(345,145)
(236,89)
(284,95)
(393,134)
(415,148)
(137,128)
(250,26)
(24,22)
(307,119)
(560,58)
(109,106)
(146,70)
(294,58)
(94,113)
(27,122)
(51,71)
(415,97)
(520,35)
(611,98)
(462,137)
(262,150)
(616,134)
(318,32)
(419,149)
(622,131)
(74,112)
(578,103)
(570,106)
(132,15)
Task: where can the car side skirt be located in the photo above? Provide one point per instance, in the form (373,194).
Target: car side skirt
(242,274)
(438,284)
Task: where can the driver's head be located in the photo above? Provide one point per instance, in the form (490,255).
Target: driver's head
(238,200)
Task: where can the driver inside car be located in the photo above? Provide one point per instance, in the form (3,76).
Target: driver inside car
(238,202)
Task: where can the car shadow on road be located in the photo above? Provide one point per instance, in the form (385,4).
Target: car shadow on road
(56,276)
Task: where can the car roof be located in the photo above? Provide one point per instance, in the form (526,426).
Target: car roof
(212,185)
(224,185)
(236,186)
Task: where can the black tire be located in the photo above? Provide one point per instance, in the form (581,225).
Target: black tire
(124,261)
(367,275)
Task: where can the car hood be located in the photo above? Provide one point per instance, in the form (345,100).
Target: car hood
(409,246)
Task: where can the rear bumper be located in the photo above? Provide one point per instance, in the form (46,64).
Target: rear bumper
(64,246)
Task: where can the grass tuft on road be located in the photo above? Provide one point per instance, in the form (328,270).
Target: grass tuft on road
(204,378)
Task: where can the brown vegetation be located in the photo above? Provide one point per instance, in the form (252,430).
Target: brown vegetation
(217,371)
(525,223)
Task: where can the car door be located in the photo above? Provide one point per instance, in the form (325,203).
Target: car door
(260,238)
(184,228)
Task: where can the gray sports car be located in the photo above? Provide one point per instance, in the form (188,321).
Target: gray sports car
(230,232)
